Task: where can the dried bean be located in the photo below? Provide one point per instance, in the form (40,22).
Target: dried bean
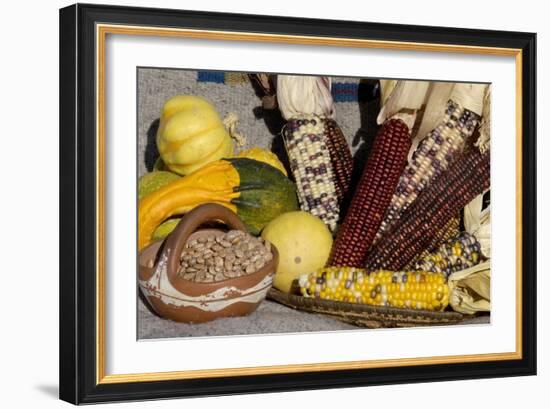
(218,257)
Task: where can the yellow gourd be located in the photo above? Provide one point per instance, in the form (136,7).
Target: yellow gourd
(303,242)
(263,155)
(152,181)
(257,192)
(191,134)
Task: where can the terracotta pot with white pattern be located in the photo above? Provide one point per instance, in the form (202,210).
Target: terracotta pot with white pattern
(177,299)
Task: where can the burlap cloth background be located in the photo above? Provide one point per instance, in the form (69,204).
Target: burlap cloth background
(355,112)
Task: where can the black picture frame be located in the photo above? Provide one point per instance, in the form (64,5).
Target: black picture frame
(78,359)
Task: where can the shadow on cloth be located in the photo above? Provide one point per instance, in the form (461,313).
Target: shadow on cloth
(274,122)
(151,152)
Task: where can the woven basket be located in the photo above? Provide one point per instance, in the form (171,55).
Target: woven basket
(366,315)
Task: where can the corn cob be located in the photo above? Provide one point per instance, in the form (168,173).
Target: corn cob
(310,162)
(413,290)
(450,230)
(466,178)
(340,157)
(432,156)
(372,195)
(458,253)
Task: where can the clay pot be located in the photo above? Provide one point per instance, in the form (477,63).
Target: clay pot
(177,299)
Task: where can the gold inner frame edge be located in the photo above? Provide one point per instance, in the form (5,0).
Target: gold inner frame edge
(101,32)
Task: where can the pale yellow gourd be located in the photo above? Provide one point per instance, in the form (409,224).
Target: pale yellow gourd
(191,134)
(303,242)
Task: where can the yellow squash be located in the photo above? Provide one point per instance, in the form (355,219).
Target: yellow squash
(191,134)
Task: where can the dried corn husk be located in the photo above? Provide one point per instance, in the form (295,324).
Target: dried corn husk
(485,126)
(386,88)
(300,94)
(478,223)
(470,96)
(406,98)
(436,101)
(470,289)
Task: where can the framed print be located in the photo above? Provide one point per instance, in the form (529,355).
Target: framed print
(257,204)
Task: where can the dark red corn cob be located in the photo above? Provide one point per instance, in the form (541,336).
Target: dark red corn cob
(467,177)
(372,195)
(340,157)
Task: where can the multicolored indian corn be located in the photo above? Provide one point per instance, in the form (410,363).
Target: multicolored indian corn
(340,157)
(372,195)
(456,254)
(311,166)
(432,156)
(467,177)
(413,290)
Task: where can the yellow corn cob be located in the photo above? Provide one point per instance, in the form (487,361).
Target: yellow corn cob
(417,290)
